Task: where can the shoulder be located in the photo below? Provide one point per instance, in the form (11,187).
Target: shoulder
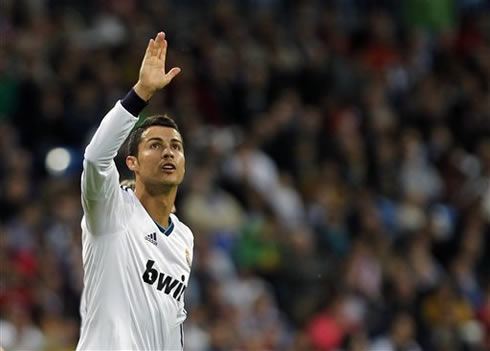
(128,195)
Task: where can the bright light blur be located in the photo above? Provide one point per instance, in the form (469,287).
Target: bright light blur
(57,161)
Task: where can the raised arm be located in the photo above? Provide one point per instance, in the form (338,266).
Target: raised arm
(100,178)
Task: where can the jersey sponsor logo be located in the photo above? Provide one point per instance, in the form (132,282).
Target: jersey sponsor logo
(152,238)
(164,282)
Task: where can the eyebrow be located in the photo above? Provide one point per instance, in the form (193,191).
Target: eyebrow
(161,139)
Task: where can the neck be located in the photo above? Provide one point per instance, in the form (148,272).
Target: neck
(158,200)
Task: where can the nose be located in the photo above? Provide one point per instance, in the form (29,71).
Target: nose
(167,152)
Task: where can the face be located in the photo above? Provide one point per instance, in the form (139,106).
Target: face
(161,159)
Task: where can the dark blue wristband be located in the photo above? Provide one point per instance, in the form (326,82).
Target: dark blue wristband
(133,103)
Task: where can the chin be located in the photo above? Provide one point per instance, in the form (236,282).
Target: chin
(167,181)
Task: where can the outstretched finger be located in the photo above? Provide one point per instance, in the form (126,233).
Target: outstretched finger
(156,44)
(163,54)
(160,40)
(148,50)
(173,73)
(151,48)
(155,48)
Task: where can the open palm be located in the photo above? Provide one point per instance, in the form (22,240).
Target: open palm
(152,72)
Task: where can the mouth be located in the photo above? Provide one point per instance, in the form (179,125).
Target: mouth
(168,167)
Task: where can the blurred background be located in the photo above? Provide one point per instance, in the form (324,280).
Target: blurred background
(338,166)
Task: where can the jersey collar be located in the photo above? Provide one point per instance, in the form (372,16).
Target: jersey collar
(167,231)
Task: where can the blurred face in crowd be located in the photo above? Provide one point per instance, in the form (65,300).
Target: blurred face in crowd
(403,329)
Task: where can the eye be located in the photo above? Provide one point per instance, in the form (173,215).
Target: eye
(155,146)
(176,147)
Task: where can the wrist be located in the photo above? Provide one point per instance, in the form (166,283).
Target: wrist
(133,103)
(143,92)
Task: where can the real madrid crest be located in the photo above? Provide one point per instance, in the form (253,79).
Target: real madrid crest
(188,257)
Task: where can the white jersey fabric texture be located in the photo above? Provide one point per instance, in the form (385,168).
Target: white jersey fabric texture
(135,271)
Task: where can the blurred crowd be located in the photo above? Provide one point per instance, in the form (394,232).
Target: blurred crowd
(338,166)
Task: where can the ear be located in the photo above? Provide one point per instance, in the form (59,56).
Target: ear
(132,163)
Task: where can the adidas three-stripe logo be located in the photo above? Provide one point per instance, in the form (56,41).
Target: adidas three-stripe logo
(152,238)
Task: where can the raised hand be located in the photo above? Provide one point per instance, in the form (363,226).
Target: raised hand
(152,72)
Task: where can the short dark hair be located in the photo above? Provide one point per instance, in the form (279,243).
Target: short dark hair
(135,136)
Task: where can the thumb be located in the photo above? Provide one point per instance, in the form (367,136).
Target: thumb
(173,73)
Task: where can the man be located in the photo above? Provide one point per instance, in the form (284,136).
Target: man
(136,254)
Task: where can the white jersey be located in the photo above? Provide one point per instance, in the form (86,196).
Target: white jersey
(135,271)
